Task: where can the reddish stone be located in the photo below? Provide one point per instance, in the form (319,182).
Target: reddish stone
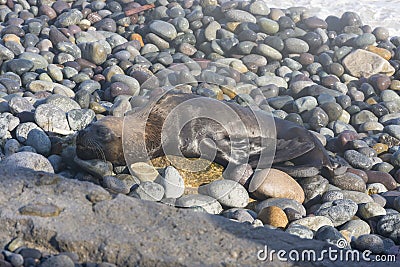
(381,177)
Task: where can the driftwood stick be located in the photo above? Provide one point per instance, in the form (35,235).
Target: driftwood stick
(135,10)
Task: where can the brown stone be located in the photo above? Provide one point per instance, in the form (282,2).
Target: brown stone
(275,183)
(381,177)
(395,85)
(380,51)
(358,172)
(273,216)
(380,81)
(137,37)
(380,148)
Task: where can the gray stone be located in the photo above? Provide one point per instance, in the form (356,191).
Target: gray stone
(122,221)
(211,205)
(58,261)
(229,193)
(300,231)
(27,160)
(240,16)
(339,211)
(148,191)
(39,140)
(358,160)
(52,119)
(78,119)
(163,29)
(173,183)
(369,242)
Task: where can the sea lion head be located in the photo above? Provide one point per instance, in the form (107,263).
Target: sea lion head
(102,140)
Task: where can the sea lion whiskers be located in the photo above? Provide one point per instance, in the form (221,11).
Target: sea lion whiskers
(97,148)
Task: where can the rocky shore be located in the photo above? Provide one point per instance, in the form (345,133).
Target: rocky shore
(65,64)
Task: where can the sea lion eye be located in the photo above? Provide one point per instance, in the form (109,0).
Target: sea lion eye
(103,132)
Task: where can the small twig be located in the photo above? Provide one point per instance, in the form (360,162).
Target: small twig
(136,10)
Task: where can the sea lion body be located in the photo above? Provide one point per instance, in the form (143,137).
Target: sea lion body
(201,127)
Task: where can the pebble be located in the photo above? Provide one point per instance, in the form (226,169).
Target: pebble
(369,242)
(52,119)
(389,226)
(277,184)
(273,216)
(349,181)
(300,231)
(329,234)
(59,260)
(163,29)
(370,210)
(358,160)
(211,205)
(356,228)
(172,182)
(229,193)
(148,191)
(313,223)
(27,160)
(144,172)
(339,211)
(358,64)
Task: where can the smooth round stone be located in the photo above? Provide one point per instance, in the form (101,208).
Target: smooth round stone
(356,228)
(68,18)
(333,110)
(62,102)
(315,22)
(389,226)
(39,62)
(357,197)
(273,216)
(208,203)
(329,234)
(332,195)
(59,260)
(381,33)
(369,242)
(163,29)
(11,146)
(106,24)
(129,81)
(371,126)
(78,119)
(115,185)
(283,203)
(229,193)
(300,231)
(338,211)
(276,184)
(98,168)
(382,177)
(39,141)
(268,26)
(314,188)
(27,160)
(148,191)
(240,174)
(259,8)
(349,181)
(296,46)
(313,223)
(370,210)
(237,15)
(379,199)
(111,71)
(19,104)
(269,52)
(144,172)
(358,160)
(52,119)
(241,215)
(393,130)
(172,182)
(23,130)
(20,66)
(364,40)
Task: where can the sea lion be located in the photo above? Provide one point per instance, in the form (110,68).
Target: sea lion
(201,127)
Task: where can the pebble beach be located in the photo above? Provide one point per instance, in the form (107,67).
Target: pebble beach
(66,64)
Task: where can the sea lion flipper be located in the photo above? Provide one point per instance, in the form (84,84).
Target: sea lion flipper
(290,149)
